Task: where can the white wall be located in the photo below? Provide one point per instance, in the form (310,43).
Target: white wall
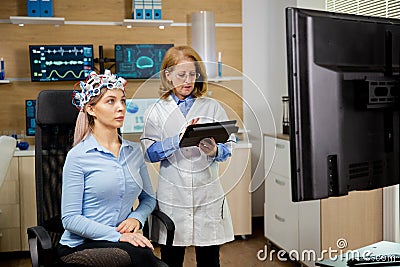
(264,68)
(254,56)
(311,4)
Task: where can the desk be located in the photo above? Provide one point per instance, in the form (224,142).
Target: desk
(380,248)
(30,152)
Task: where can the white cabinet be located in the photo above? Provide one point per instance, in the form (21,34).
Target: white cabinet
(314,225)
(286,222)
(10,236)
(27,189)
(281,227)
(17,204)
(235,176)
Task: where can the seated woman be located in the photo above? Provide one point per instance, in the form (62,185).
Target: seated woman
(103,175)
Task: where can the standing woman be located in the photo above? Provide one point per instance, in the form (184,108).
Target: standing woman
(103,175)
(189,190)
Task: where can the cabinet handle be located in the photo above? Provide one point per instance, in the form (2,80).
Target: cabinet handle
(1,234)
(279,182)
(281,146)
(279,218)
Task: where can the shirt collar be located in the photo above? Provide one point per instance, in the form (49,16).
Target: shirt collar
(177,100)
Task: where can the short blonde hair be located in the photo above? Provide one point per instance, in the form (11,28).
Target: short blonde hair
(171,59)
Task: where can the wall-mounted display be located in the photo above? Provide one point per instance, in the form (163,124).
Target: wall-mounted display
(139,61)
(60,62)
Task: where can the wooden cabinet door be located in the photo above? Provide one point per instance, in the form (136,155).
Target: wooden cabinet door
(10,210)
(28,197)
(355,218)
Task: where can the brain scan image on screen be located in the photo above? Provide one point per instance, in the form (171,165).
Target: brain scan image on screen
(139,61)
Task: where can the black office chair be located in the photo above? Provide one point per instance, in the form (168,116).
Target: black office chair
(55,123)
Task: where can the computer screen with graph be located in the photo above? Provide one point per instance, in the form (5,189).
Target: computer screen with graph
(60,62)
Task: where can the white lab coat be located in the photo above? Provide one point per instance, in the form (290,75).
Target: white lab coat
(189,190)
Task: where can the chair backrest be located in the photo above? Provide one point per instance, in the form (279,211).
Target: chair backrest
(7,149)
(55,124)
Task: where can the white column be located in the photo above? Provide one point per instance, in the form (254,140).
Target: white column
(203,40)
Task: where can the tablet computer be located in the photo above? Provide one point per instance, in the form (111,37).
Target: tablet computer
(220,131)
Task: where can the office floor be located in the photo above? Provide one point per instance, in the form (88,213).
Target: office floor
(239,253)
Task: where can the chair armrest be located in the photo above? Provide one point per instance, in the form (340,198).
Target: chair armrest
(38,234)
(169,225)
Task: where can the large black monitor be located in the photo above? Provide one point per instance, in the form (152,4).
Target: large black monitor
(139,61)
(343,82)
(60,62)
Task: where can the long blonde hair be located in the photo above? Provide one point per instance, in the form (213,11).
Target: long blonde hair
(171,59)
(85,122)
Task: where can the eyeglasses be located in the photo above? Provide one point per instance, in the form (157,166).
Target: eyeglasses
(183,75)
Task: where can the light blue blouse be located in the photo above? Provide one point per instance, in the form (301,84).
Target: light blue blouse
(99,191)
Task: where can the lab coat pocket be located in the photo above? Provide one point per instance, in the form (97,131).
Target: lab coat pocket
(216,209)
(214,222)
